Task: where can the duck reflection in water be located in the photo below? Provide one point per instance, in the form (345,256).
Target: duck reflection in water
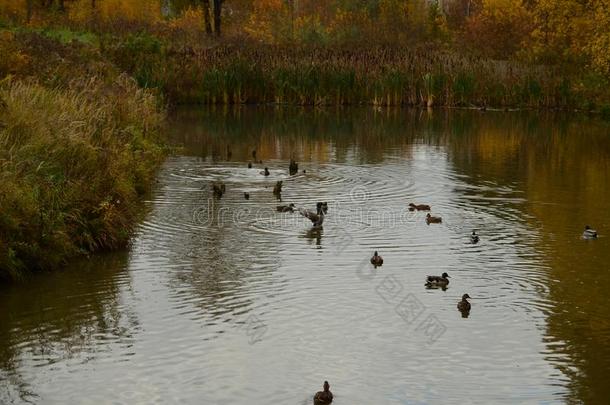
(316,234)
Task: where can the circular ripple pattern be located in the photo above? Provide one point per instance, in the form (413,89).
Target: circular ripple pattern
(228,301)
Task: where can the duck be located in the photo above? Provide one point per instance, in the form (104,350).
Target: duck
(317,218)
(323,397)
(433,220)
(277,189)
(285,208)
(376,260)
(589,233)
(265,172)
(249,165)
(438,281)
(218,189)
(464,305)
(419,207)
(247,196)
(474,238)
(293,168)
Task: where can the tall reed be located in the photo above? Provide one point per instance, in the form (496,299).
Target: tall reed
(73,161)
(256,73)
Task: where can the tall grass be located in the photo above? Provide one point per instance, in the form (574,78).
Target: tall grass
(256,73)
(73,162)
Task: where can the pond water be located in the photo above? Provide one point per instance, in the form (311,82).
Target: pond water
(227,301)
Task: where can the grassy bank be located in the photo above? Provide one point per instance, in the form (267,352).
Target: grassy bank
(79,143)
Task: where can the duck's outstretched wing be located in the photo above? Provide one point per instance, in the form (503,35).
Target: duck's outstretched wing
(312,216)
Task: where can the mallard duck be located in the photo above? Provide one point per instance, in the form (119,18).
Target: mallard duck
(285,208)
(433,220)
(317,218)
(277,189)
(265,172)
(376,260)
(438,281)
(293,168)
(474,238)
(589,233)
(464,305)
(218,189)
(419,207)
(323,397)
(247,196)
(249,165)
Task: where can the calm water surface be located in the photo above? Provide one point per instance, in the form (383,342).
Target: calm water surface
(230,302)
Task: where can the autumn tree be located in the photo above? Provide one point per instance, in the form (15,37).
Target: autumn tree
(499,29)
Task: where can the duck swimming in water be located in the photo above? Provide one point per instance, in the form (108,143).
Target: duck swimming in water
(277,189)
(589,233)
(293,168)
(218,189)
(317,218)
(419,207)
(376,260)
(433,220)
(464,305)
(285,208)
(323,397)
(474,238)
(438,281)
(265,172)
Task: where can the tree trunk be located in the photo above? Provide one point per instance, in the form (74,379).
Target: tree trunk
(206,16)
(28,10)
(217,16)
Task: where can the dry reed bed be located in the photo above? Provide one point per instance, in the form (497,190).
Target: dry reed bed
(73,161)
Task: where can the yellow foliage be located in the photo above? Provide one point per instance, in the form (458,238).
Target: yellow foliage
(143,11)
(13,9)
(599,46)
(270,21)
(500,29)
(189,25)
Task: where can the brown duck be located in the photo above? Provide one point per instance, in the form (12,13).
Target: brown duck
(419,207)
(285,208)
(218,189)
(323,397)
(433,220)
(317,218)
(464,305)
(277,189)
(293,168)
(376,260)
